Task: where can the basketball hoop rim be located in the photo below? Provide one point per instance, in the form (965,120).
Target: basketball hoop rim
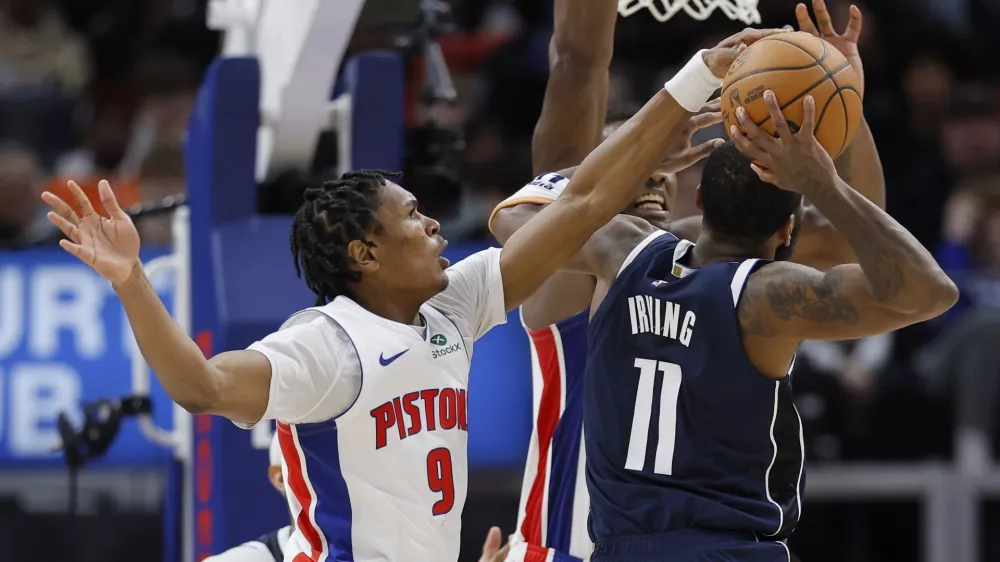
(700,10)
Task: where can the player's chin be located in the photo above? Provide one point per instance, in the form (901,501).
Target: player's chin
(439,273)
(442,281)
(659,218)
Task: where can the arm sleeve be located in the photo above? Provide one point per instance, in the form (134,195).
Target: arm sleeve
(474,297)
(315,371)
(542,190)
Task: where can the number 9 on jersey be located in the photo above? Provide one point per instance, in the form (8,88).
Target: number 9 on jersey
(441,479)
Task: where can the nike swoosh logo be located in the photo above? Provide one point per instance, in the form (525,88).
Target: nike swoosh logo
(385,362)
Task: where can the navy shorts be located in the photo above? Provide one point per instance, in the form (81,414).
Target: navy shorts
(692,545)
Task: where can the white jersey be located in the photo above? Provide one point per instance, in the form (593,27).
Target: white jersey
(268,548)
(386,478)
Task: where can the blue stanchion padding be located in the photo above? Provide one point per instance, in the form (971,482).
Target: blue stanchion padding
(221,145)
(375,82)
(261,287)
(220,152)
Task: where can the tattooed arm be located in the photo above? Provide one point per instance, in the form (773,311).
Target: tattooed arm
(895,283)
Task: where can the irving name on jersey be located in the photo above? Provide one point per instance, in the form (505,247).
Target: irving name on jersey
(649,314)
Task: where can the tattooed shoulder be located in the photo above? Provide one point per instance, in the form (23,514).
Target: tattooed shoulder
(784,292)
(749,311)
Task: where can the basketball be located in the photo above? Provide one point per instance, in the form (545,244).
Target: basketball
(793,65)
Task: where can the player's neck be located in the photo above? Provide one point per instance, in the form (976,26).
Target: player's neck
(399,307)
(709,250)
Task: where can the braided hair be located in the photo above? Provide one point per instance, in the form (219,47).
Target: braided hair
(332,215)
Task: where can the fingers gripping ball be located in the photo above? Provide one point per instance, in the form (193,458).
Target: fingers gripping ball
(793,65)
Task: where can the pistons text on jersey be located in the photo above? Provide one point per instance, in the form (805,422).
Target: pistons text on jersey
(423,410)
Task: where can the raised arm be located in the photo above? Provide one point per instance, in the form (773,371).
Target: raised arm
(600,189)
(575,102)
(572,117)
(896,282)
(515,211)
(604,182)
(233,384)
(821,245)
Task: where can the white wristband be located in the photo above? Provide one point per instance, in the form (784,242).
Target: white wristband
(694,84)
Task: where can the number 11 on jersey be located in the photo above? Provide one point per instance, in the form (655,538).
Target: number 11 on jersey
(667,427)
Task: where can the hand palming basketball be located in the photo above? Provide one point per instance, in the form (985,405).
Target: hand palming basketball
(109,244)
(721,57)
(846,42)
(795,161)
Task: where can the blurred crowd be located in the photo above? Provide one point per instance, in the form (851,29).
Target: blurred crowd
(103,88)
(94,89)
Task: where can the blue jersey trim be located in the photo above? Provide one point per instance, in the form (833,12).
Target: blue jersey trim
(566,440)
(334,515)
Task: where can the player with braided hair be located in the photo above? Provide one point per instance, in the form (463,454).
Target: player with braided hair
(369,387)
(352,202)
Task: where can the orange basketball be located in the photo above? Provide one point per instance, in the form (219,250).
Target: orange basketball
(792,65)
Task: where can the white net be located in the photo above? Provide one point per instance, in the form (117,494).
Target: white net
(662,10)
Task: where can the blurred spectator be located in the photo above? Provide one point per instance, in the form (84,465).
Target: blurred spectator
(22,215)
(917,175)
(37,50)
(161,176)
(855,363)
(168,84)
(124,130)
(954,14)
(836,385)
(927,82)
(972,132)
(44,67)
(105,143)
(137,144)
(966,355)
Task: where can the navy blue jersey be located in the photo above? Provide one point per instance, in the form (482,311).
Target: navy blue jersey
(681,430)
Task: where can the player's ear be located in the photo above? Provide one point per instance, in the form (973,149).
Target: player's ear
(363,254)
(276,478)
(787,229)
(697,198)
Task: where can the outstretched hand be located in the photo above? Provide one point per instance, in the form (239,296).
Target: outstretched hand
(682,155)
(792,161)
(846,42)
(721,57)
(109,244)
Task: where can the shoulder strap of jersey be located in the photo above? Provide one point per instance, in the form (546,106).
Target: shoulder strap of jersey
(634,254)
(740,278)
